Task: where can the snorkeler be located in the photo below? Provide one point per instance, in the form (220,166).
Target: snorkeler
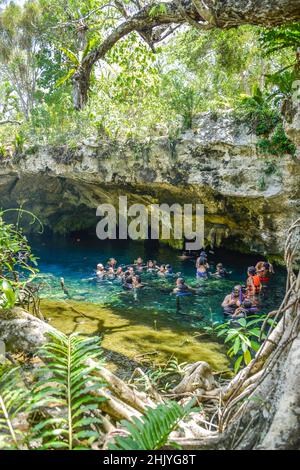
(233,301)
(254,285)
(221,272)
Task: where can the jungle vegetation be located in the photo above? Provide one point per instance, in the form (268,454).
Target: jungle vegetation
(143,86)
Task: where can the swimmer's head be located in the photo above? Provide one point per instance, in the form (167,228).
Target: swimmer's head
(219,266)
(236,290)
(180,281)
(100,267)
(252,271)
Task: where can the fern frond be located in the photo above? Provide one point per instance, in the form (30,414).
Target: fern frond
(153,430)
(67,380)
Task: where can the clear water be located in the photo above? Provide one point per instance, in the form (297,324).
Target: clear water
(76,262)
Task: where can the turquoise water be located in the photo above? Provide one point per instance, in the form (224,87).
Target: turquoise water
(76,262)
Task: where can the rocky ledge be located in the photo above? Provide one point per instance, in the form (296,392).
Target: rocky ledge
(250,199)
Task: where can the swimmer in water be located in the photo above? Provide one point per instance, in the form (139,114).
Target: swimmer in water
(162,271)
(119,273)
(111,273)
(136,285)
(169,270)
(139,264)
(100,272)
(264,271)
(150,267)
(233,301)
(182,288)
(137,282)
(127,281)
(202,268)
(131,271)
(254,285)
(221,272)
(112,263)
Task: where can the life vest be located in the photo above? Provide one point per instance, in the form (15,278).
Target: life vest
(256,284)
(264,279)
(254,287)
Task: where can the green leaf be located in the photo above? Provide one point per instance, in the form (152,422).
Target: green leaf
(70,55)
(237,345)
(152,430)
(247,357)
(237,364)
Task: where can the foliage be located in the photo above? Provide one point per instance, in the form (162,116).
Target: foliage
(257,112)
(281,38)
(14,400)
(265,120)
(16,257)
(134,92)
(18,50)
(66,382)
(8,296)
(243,335)
(277,144)
(152,431)
(66,379)
(162,378)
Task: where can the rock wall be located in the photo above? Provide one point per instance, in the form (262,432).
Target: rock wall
(249,199)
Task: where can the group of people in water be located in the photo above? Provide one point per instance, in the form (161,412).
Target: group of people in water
(242,301)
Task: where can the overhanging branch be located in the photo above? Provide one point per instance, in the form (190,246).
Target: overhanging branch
(203,14)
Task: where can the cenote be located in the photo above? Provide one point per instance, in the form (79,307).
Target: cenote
(149,326)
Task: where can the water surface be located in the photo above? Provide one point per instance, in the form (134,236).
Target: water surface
(150,324)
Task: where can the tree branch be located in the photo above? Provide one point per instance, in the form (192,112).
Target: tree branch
(10,121)
(203,14)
